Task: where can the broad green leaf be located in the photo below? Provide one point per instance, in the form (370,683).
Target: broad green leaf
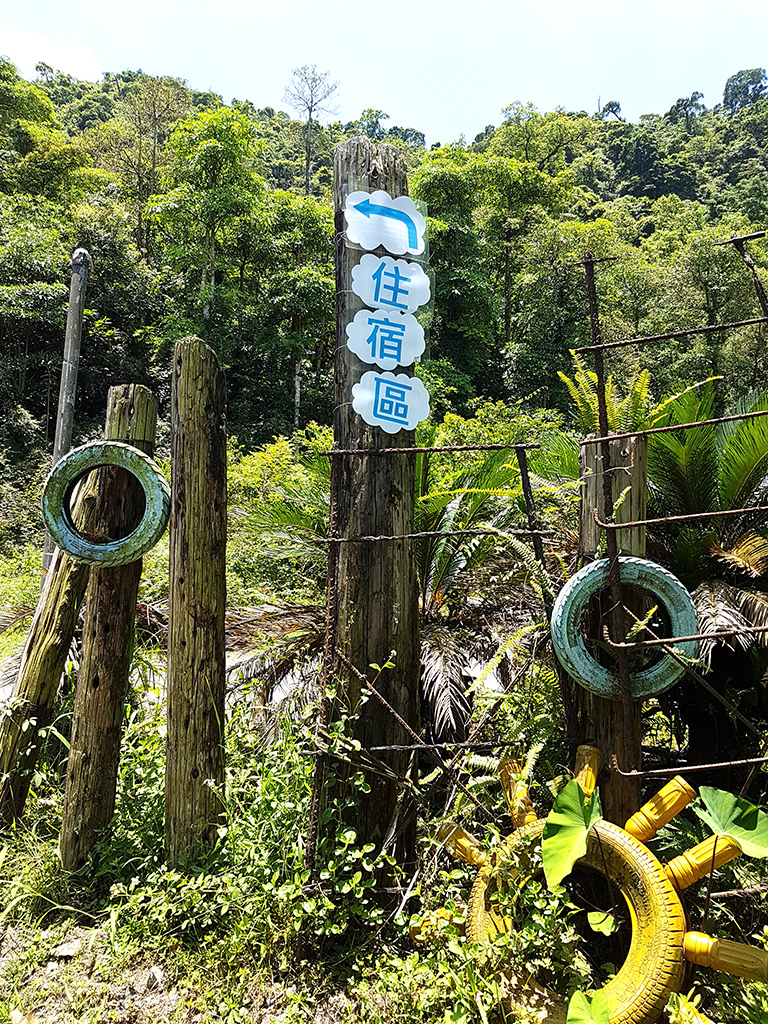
(602,922)
(583,1010)
(564,839)
(729,815)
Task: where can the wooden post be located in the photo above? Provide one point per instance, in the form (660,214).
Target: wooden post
(194,773)
(42,663)
(110,614)
(600,721)
(372,586)
(81,263)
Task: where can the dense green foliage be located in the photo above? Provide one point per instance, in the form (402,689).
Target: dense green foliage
(196,216)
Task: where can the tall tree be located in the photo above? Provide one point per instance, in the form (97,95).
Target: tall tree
(744,88)
(132,143)
(309,94)
(215,185)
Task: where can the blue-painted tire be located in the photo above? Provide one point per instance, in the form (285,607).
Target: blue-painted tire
(569,643)
(61,483)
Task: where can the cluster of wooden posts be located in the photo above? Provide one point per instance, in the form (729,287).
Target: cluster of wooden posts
(108,505)
(372,602)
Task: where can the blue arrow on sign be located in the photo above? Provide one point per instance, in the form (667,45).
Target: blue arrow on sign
(369,209)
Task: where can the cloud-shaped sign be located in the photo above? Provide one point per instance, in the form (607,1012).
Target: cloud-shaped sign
(385,337)
(384,282)
(392,402)
(375,218)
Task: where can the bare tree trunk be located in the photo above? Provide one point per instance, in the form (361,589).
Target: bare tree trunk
(194,775)
(373,587)
(94,755)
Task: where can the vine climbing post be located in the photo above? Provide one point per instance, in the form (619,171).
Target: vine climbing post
(373,610)
(194,771)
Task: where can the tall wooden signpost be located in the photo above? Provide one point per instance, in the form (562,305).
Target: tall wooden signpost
(373,600)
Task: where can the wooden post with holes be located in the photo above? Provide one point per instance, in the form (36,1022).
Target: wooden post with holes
(45,653)
(599,720)
(194,773)
(110,614)
(373,599)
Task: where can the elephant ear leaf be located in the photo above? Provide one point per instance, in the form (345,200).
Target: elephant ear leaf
(564,839)
(729,815)
(583,1010)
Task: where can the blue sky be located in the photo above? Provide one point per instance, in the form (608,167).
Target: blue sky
(442,66)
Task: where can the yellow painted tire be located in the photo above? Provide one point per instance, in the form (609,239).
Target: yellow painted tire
(654,965)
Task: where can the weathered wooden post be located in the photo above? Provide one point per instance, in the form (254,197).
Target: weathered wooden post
(372,585)
(81,264)
(600,721)
(44,655)
(110,615)
(194,774)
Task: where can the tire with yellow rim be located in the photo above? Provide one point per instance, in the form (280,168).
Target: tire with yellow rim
(653,968)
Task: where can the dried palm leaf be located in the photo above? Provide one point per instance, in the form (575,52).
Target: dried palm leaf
(443,663)
(10,617)
(718,611)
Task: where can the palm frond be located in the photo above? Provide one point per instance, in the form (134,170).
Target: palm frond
(443,663)
(556,458)
(747,555)
(744,462)
(753,604)
(718,611)
(10,617)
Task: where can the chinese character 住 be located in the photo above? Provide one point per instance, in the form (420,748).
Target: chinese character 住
(390,401)
(381,279)
(386,339)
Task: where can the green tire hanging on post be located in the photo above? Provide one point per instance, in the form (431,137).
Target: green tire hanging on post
(60,485)
(571,649)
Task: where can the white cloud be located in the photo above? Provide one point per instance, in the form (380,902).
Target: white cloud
(26,49)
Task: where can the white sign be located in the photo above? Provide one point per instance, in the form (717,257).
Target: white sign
(390,402)
(384,282)
(386,337)
(375,218)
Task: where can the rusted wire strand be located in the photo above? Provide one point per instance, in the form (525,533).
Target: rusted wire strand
(686,767)
(698,677)
(433,533)
(366,683)
(427,449)
(421,746)
(679,519)
(673,427)
(741,631)
(674,334)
